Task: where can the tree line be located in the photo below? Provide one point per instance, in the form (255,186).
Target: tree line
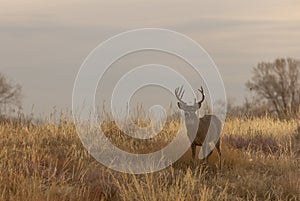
(10,95)
(274,90)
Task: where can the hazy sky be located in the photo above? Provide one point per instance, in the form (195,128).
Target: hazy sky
(43,43)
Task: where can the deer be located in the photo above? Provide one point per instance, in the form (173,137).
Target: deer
(200,126)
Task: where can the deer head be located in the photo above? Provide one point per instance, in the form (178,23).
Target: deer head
(191,119)
(188,109)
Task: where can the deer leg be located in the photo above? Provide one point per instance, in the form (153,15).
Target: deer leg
(206,158)
(203,149)
(193,146)
(219,154)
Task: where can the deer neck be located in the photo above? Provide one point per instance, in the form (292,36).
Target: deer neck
(192,123)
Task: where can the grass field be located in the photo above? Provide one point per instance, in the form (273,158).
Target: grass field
(261,161)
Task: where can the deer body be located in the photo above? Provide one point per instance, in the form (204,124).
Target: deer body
(201,131)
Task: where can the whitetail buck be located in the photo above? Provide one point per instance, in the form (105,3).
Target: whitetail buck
(200,126)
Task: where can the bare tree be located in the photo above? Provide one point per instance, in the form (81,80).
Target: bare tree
(10,94)
(278,82)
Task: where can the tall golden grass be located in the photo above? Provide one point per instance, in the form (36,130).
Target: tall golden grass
(48,162)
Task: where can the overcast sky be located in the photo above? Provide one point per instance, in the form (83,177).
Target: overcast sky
(43,43)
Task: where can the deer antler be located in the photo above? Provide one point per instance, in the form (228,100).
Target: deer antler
(203,95)
(179,94)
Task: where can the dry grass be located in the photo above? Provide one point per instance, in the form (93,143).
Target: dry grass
(48,162)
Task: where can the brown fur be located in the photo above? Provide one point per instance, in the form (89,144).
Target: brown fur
(204,123)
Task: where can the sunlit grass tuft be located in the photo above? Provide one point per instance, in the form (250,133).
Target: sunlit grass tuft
(48,162)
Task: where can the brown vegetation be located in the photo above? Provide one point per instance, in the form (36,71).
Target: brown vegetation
(48,162)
